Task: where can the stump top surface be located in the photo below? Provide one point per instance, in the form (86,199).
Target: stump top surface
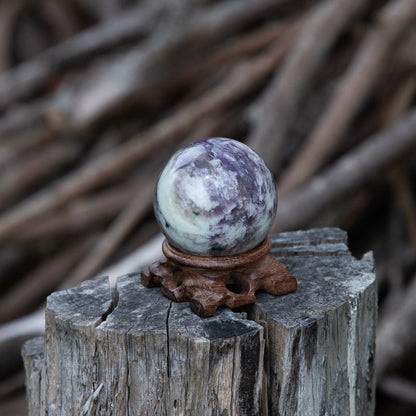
(328,275)
(135,310)
(140,308)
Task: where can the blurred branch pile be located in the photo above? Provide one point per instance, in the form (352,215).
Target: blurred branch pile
(96,95)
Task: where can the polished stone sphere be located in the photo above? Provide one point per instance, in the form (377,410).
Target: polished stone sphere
(215,197)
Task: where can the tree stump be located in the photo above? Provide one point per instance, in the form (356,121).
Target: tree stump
(132,351)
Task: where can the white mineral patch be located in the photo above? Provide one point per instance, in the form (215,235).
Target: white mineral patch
(196,191)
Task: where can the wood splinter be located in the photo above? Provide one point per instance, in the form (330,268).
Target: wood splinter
(209,282)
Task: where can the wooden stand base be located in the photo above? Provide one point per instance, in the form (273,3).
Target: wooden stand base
(209,282)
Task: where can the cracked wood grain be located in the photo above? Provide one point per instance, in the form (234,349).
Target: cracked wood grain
(131,351)
(321,338)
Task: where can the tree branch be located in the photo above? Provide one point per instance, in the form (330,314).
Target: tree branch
(276,110)
(351,92)
(241,81)
(348,173)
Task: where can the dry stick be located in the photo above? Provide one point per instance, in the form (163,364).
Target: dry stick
(29,171)
(400,388)
(10,256)
(80,215)
(38,284)
(60,18)
(241,81)
(403,190)
(243,45)
(101,10)
(348,173)
(9,10)
(28,126)
(276,109)
(31,75)
(9,386)
(42,120)
(110,240)
(22,328)
(123,80)
(24,118)
(406,53)
(395,336)
(394,262)
(353,89)
(400,184)
(91,210)
(131,78)
(21,142)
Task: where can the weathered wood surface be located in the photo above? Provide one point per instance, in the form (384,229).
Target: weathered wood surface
(320,340)
(131,351)
(33,361)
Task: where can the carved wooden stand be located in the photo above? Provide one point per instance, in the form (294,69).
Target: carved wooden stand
(208,282)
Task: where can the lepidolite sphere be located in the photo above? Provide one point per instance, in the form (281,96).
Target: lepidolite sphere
(215,197)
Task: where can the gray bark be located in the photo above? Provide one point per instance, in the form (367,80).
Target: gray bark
(134,352)
(320,339)
(32,353)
